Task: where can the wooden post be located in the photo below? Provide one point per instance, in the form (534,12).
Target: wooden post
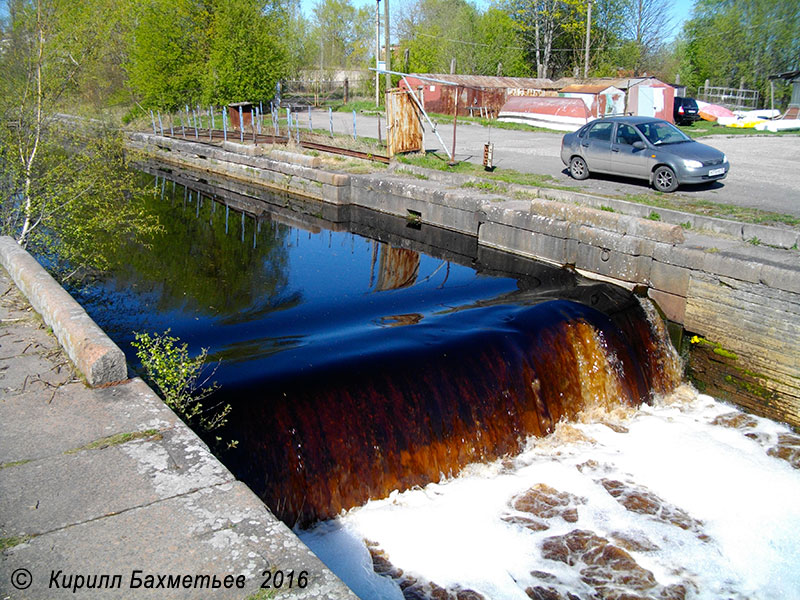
(346,90)
(453,66)
(772,94)
(455,122)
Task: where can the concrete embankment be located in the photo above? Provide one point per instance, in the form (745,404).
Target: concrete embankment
(104,491)
(740,301)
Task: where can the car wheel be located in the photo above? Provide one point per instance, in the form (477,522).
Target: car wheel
(578,168)
(664,180)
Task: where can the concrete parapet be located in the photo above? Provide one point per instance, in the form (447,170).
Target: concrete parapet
(614,222)
(98,358)
(264,165)
(769,236)
(419,201)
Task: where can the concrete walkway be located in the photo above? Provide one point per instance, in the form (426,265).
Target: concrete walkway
(105,493)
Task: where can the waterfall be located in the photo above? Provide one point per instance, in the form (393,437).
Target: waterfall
(358,426)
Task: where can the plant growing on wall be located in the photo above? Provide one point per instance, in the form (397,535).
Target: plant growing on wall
(179,379)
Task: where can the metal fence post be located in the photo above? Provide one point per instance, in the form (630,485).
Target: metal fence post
(224,124)
(241,125)
(153,119)
(354,124)
(330,120)
(160,123)
(309,119)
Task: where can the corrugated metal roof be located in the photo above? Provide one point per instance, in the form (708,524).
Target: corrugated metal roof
(622,83)
(489,81)
(586,89)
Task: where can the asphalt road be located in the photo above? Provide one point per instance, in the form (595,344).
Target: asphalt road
(765,170)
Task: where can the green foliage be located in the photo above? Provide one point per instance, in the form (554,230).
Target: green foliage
(245,59)
(65,184)
(342,35)
(213,51)
(435,31)
(177,376)
(727,41)
(168,52)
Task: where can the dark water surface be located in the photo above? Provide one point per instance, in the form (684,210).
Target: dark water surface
(265,297)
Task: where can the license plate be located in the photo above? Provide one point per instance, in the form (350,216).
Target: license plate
(714,172)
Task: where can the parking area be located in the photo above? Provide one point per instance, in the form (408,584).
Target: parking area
(765,169)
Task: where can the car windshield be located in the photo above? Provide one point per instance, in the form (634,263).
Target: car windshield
(659,133)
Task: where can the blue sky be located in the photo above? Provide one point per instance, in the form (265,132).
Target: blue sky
(681,9)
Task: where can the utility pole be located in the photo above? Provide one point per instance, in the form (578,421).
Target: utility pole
(387,59)
(377,53)
(588,38)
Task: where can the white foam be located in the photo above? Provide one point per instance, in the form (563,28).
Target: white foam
(453,533)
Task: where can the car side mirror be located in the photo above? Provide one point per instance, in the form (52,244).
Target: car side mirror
(639,145)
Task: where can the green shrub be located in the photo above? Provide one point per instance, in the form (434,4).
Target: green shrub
(179,380)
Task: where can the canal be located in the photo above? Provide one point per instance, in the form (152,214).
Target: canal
(439,420)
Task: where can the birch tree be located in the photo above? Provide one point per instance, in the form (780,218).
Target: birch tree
(63,181)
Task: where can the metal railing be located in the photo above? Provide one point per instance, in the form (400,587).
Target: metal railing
(733,98)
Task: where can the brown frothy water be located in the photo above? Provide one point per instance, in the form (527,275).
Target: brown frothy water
(339,437)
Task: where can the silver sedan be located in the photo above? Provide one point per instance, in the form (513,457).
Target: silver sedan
(642,147)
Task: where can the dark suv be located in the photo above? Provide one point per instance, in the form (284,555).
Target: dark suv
(685,111)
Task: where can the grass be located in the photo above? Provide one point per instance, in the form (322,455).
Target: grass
(708,208)
(116,440)
(433,160)
(15,463)
(10,542)
(701,129)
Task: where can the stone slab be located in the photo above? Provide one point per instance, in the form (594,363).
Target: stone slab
(98,358)
(220,530)
(162,504)
(33,422)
